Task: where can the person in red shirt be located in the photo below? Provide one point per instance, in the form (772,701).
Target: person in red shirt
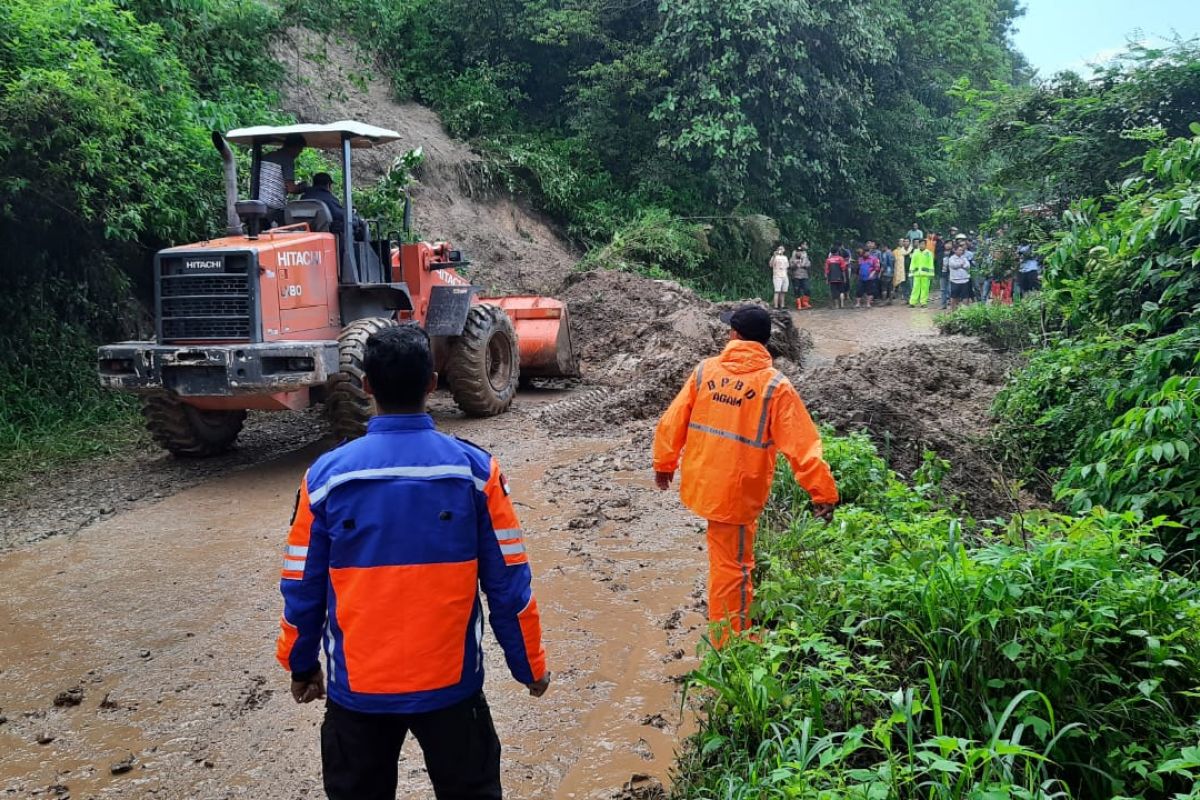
(868,277)
(837,275)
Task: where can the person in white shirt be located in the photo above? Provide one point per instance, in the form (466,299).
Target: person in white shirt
(960,277)
(1027,275)
(779,276)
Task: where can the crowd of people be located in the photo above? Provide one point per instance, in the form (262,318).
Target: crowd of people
(969,268)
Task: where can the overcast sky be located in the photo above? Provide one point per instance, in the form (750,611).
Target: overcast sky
(1066,34)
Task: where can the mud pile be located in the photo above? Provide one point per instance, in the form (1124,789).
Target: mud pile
(925,396)
(639,338)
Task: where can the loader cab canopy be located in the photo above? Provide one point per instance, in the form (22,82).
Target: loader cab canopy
(322,137)
(357,263)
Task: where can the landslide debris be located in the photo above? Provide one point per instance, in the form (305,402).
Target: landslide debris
(638,338)
(930,395)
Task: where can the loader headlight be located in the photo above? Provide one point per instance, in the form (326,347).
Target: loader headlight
(116,366)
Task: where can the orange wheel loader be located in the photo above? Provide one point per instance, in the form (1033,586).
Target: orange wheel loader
(277,318)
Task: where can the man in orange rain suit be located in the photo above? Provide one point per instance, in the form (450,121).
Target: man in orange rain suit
(393,536)
(730,418)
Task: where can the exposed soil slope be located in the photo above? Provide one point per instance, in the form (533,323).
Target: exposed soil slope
(512,248)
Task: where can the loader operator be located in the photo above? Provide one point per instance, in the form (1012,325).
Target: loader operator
(321,189)
(729,419)
(392,536)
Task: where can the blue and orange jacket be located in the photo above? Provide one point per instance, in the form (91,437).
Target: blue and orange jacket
(392,537)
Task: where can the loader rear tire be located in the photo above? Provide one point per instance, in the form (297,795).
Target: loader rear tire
(189,432)
(347,405)
(484,366)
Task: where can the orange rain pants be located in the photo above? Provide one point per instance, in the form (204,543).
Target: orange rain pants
(730,590)
(734,414)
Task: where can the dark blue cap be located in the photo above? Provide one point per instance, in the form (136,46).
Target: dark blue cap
(751,322)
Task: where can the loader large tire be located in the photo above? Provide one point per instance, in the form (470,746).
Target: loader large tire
(190,432)
(484,366)
(347,405)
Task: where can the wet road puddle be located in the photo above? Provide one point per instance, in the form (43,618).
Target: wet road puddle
(841,332)
(168,613)
(604,597)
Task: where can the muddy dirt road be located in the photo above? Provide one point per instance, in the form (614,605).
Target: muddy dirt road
(146,638)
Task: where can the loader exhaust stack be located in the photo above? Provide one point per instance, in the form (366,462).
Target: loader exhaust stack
(233,223)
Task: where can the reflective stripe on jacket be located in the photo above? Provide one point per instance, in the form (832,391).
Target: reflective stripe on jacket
(921,263)
(729,420)
(393,535)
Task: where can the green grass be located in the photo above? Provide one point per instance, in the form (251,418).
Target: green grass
(52,417)
(908,652)
(63,440)
(1024,324)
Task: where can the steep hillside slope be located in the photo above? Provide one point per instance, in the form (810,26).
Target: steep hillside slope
(512,248)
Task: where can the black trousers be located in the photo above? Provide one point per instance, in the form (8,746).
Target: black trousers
(359,752)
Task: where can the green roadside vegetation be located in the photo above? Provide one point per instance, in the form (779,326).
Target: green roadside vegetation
(1106,411)
(909,651)
(906,651)
(105,113)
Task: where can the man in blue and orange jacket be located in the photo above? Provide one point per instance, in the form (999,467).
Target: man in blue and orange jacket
(392,536)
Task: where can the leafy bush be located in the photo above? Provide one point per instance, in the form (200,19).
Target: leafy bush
(479,100)
(1024,324)
(1071,137)
(1057,403)
(1148,461)
(105,158)
(654,244)
(52,408)
(1136,262)
(905,653)
(862,477)
(219,42)
(1108,422)
(384,201)
(1108,416)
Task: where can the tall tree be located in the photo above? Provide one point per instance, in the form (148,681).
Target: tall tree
(766,93)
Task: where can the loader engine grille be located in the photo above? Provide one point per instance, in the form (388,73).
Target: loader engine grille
(206,297)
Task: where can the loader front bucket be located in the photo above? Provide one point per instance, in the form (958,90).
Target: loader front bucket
(543,335)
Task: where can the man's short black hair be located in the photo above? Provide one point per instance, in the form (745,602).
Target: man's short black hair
(294,140)
(399,364)
(322,179)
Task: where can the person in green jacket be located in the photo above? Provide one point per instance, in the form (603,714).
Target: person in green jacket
(921,269)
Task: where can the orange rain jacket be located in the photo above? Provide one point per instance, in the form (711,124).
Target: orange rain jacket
(729,420)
